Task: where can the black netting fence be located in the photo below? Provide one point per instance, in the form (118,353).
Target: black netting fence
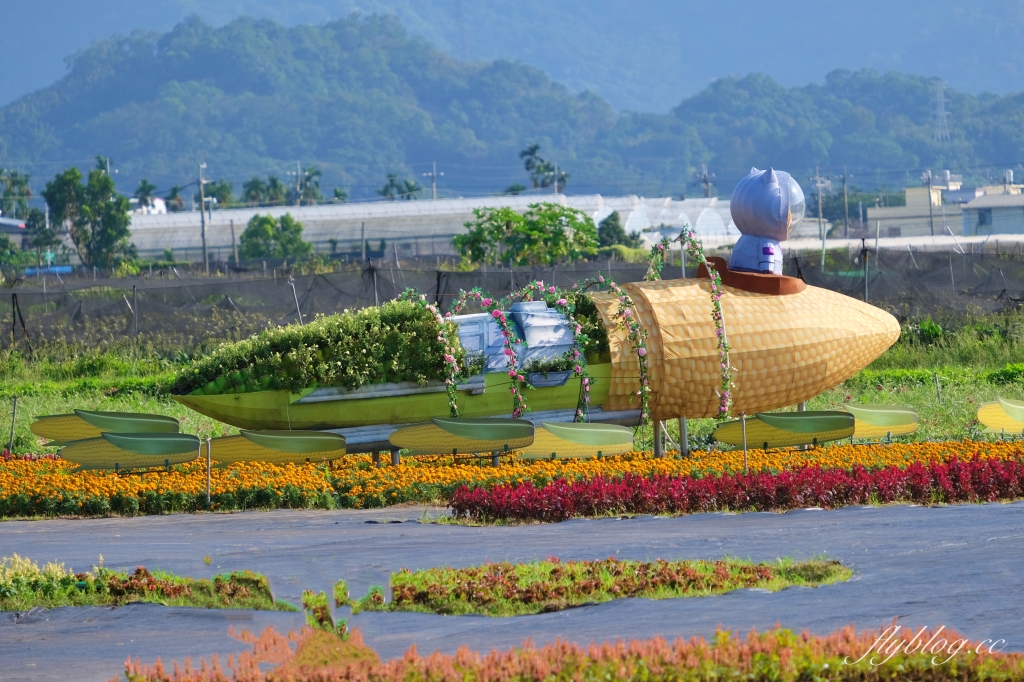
(920,283)
(185,312)
(176,310)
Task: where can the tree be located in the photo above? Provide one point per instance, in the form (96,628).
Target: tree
(174,200)
(265,237)
(41,237)
(277,193)
(10,254)
(254,191)
(309,186)
(16,192)
(531,160)
(514,190)
(542,172)
(340,195)
(610,232)
(546,234)
(395,189)
(96,216)
(144,193)
(411,190)
(221,190)
(391,189)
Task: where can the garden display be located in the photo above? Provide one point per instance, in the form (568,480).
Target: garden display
(25,585)
(779,654)
(655,349)
(505,589)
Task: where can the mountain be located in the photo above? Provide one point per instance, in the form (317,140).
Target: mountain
(639,56)
(359,98)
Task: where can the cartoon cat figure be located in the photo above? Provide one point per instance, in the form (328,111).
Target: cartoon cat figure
(766,205)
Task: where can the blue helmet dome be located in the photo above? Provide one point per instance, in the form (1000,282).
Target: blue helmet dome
(767,203)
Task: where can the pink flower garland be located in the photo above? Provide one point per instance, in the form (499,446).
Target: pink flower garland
(696,249)
(452,371)
(637,337)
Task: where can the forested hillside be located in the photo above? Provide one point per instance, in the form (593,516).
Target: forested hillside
(358,98)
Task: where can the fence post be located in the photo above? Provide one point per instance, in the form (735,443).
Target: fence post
(14,417)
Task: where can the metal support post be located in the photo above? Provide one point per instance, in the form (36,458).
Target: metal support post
(684,438)
(396,459)
(659,444)
(207,472)
(743,426)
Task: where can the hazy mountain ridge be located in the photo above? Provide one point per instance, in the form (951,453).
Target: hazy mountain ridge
(640,56)
(359,98)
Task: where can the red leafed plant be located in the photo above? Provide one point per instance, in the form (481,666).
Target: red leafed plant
(778,654)
(956,481)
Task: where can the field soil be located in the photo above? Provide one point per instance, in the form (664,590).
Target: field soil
(956,566)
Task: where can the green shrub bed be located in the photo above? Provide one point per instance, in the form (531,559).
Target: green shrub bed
(396,341)
(25,585)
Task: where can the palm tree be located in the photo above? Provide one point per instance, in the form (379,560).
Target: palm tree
(16,192)
(340,195)
(254,191)
(174,200)
(144,193)
(392,189)
(410,190)
(310,186)
(277,193)
(534,163)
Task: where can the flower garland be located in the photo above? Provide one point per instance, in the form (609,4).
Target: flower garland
(452,371)
(656,261)
(696,249)
(626,317)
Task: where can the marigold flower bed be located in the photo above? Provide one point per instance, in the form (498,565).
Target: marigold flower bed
(778,655)
(47,488)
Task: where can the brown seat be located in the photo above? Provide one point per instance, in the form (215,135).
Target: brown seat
(754,282)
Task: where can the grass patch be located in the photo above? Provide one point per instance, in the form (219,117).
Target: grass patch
(25,585)
(506,589)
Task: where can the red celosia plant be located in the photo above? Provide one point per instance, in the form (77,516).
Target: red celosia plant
(974,480)
(778,655)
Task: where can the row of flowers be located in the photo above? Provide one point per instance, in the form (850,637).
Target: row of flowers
(975,480)
(938,655)
(47,487)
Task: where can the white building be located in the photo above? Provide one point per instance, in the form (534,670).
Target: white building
(419,228)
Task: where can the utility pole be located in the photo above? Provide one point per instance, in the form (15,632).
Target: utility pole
(298,181)
(941,115)
(846,207)
(433,180)
(705,179)
(202,218)
(931,212)
(820,184)
(555,184)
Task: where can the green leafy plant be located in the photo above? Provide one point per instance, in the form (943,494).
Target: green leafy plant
(268,237)
(24,585)
(397,341)
(341,596)
(318,614)
(506,589)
